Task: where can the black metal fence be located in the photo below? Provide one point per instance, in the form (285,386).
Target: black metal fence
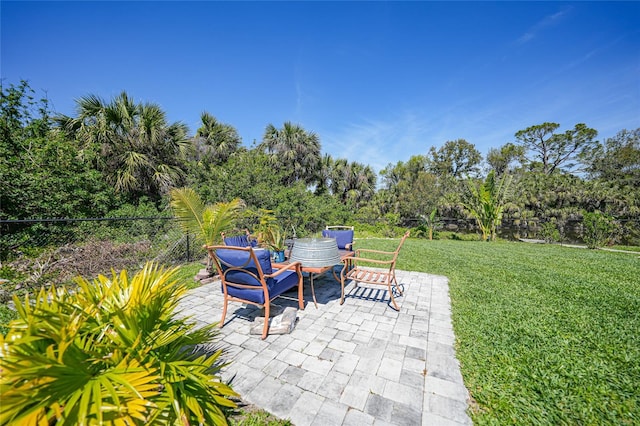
(57,250)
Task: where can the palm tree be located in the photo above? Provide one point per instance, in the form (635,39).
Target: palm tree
(324,174)
(353,182)
(216,141)
(206,222)
(339,178)
(295,150)
(132,144)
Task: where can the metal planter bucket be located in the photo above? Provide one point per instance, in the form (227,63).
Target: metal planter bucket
(315,252)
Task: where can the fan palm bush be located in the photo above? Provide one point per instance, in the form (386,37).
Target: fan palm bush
(111,352)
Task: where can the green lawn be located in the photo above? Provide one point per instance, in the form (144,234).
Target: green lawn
(545,334)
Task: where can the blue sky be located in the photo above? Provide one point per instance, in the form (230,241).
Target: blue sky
(378,82)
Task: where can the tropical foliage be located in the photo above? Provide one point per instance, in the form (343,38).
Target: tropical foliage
(131,143)
(112,351)
(295,150)
(486,202)
(206,222)
(118,153)
(214,141)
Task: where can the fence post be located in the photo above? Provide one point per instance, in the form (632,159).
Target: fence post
(188,250)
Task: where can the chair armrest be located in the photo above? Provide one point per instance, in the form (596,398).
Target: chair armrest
(374,251)
(356,260)
(296,266)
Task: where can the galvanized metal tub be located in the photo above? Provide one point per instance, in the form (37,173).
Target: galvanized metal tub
(315,252)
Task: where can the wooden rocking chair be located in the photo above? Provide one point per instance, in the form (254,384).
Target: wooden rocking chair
(362,271)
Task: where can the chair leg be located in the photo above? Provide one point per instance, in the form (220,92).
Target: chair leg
(393,300)
(301,294)
(265,329)
(395,284)
(224,312)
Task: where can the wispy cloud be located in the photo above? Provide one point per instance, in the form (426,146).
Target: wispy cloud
(544,23)
(381,142)
(378,142)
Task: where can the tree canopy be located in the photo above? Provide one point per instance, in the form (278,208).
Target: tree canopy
(552,151)
(122,152)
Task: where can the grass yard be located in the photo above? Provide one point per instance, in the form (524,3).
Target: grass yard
(545,334)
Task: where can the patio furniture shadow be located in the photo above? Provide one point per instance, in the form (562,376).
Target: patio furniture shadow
(374,294)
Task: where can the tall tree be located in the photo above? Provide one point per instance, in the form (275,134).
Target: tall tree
(139,152)
(500,159)
(556,151)
(410,189)
(457,158)
(353,183)
(618,159)
(215,141)
(294,150)
(40,173)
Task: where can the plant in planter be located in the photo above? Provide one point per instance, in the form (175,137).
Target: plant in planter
(274,238)
(271,235)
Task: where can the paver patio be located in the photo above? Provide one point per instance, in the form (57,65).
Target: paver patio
(360,363)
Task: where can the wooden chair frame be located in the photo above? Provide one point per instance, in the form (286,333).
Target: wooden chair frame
(365,274)
(260,276)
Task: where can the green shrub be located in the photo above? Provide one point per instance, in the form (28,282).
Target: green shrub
(113,351)
(549,232)
(598,229)
(457,236)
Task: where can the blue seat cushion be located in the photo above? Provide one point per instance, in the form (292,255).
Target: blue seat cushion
(276,286)
(239,241)
(242,259)
(343,237)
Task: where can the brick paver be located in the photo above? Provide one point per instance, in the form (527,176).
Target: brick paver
(360,363)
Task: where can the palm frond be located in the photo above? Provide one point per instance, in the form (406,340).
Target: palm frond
(188,208)
(218,218)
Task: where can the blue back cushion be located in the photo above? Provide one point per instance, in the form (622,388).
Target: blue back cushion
(343,237)
(239,241)
(240,258)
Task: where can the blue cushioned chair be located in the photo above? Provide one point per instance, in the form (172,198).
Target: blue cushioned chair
(247,277)
(342,234)
(245,240)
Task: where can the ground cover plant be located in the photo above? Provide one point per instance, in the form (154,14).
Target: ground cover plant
(545,334)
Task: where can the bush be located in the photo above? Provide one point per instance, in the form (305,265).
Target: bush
(598,229)
(111,352)
(448,235)
(549,232)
